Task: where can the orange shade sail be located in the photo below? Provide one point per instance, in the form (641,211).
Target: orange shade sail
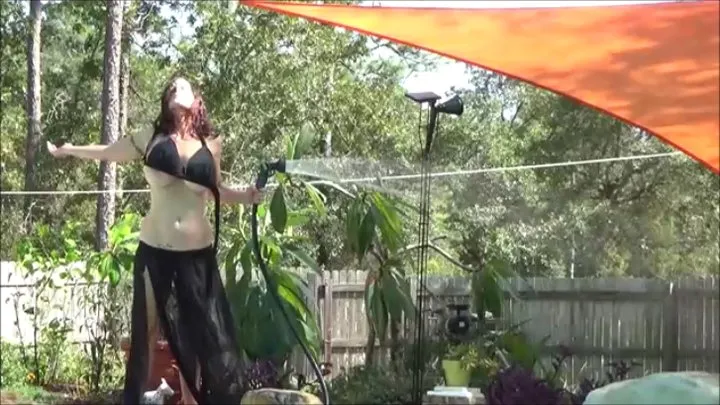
(655,66)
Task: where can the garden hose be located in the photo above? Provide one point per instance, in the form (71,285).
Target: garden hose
(268,170)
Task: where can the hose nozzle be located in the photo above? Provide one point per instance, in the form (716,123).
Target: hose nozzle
(268,170)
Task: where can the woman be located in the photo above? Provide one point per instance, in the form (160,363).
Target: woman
(177,284)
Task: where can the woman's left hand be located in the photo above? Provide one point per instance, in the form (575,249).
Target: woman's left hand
(254,196)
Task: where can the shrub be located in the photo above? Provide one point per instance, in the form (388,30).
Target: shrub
(518,386)
(376,385)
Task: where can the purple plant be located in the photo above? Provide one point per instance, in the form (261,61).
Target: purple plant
(519,386)
(584,388)
(261,374)
(619,371)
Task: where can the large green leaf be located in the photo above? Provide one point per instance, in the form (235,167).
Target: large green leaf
(366,234)
(298,283)
(375,309)
(298,219)
(401,287)
(390,233)
(352,226)
(392,296)
(337,187)
(487,292)
(389,213)
(231,261)
(304,141)
(317,197)
(294,301)
(114,271)
(261,211)
(303,257)
(272,252)
(246,257)
(278,210)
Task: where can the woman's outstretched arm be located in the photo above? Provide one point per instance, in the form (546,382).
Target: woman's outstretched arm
(125,149)
(231,195)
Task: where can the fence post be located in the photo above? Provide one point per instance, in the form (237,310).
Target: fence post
(670,346)
(325,291)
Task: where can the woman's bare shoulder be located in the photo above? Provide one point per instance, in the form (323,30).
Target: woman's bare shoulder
(215,144)
(141,138)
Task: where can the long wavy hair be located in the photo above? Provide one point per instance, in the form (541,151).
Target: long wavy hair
(194,122)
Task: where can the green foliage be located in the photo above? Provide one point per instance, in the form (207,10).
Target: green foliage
(112,263)
(54,261)
(112,270)
(283,250)
(374,228)
(45,257)
(489,286)
(468,354)
(278,210)
(376,385)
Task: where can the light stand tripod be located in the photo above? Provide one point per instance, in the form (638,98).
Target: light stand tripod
(453,106)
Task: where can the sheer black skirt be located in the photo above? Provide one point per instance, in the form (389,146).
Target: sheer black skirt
(195,318)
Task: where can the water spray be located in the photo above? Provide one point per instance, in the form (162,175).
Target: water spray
(268,170)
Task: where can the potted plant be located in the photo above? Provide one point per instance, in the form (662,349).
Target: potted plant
(459,363)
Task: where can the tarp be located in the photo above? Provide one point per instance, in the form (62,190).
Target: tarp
(655,66)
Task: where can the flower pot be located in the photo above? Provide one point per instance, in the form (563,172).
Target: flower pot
(164,366)
(455,374)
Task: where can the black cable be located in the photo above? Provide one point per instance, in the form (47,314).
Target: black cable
(273,288)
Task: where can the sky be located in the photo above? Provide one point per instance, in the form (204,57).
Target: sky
(448,73)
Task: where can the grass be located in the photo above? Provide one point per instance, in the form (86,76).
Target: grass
(28,394)
(33,395)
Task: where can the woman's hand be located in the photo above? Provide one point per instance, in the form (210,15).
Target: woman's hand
(241,195)
(58,152)
(254,196)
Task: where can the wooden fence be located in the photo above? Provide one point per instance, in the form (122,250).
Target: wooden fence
(664,326)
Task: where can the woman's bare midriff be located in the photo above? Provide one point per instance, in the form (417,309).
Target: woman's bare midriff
(177,220)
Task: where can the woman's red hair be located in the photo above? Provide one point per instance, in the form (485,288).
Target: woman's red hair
(195,121)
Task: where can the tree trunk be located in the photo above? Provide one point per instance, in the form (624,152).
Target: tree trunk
(323,255)
(33,99)
(124,95)
(111,119)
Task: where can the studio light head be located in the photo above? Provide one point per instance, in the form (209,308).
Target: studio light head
(452,105)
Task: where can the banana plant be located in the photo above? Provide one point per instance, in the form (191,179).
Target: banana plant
(262,330)
(374,228)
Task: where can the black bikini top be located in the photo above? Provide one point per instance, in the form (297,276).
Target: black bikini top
(200,169)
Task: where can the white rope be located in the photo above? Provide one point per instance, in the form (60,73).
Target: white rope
(513,168)
(398,177)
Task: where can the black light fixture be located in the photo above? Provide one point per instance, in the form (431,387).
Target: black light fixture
(423,97)
(453,106)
